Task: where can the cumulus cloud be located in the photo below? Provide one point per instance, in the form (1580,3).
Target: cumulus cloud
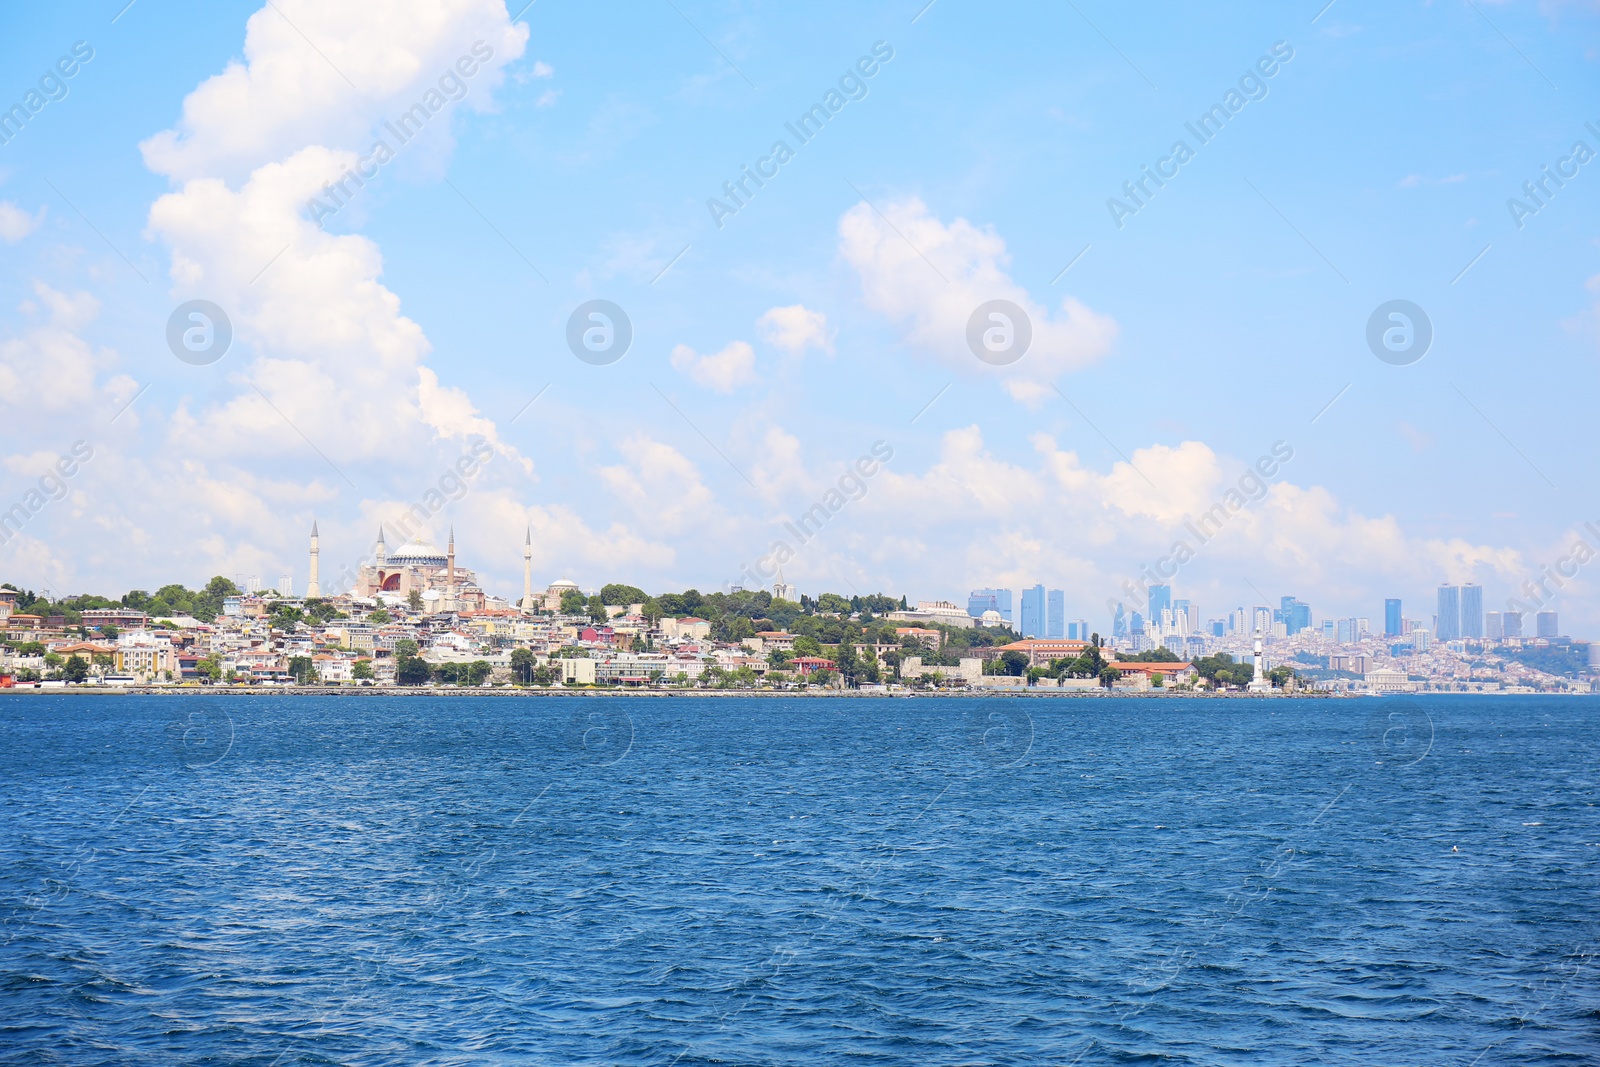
(15,223)
(326,74)
(50,370)
(928,277)
(795,328)
(660,484)
(721,372)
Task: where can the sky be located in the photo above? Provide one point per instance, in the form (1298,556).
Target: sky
(819,339)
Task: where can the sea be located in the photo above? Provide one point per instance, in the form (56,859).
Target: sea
(674,881)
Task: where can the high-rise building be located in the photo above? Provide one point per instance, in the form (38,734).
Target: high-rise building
(1421,639)
(1160,600)
(1119,622)
(1472,611)
(1294,615)
(1447,620)
(1219,628)
(1545,624)
(1055,623)
(1512,621)
(1392,619)
(1032,622)
(1328,630)
(982,600)
(1135,624)
(1078,631)
(1344,635)
(1261,619)
(1494,626)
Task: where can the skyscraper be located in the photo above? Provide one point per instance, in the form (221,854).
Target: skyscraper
(982,600)
(1032,622)
(1494,626)
(1119,622)
(1160,600)
(1392,625)
(1545,624)
(1512,622)
(1447,624)
(1055,614)
(1472,611)
(1294,615)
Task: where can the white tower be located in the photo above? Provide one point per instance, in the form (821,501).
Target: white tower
(313,586)
(527,573)
(379,551)
(1260,684)
(450,573)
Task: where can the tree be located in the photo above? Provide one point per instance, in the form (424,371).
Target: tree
(1013,663)
(1109,676)
(76,669)
(405,648)
(1280,676)
(362,671)
(523,662)
(574,603)
(302,670)
(807,646)
(476,673)
(109,631)
(414,600)
(622,595)
(378,616)
(833,604)
(210,669)
(412,671)
(597,610)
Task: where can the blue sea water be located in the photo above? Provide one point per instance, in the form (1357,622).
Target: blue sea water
(374,880)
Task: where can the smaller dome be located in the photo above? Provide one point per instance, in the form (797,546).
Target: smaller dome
(562,585)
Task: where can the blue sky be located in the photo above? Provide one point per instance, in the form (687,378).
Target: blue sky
(1220,319)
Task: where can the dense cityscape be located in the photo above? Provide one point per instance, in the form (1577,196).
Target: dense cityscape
(414,617)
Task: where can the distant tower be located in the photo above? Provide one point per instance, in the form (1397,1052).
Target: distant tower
(527,572)
(1260,683)
(313,587)
(450,569)
(378,550)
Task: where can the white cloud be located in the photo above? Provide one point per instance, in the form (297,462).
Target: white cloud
(661,485)
(932,298)
(548,98)
(50,370)
(541,69)
(721,372)
(325,74)
(15,223)
(795,328)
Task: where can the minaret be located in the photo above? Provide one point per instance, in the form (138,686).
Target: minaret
(313,587)
(527,573)
(378,550)
(450,571)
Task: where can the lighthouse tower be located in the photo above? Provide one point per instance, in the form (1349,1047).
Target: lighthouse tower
(1260,684)
(313,586)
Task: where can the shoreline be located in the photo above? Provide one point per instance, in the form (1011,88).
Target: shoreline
(829,694)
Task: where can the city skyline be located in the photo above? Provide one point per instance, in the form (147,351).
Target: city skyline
(380,325)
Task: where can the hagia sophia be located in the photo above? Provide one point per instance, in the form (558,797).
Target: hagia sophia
(420,567)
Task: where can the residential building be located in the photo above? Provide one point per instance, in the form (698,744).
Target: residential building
(122,618)
(1545,624)
(1512,621)
(1494,626)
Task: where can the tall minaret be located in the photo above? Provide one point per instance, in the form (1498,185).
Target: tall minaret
(379,551)
(527,573)
(450,570)
(313,587)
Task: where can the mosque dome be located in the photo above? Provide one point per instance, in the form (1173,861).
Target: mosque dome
(417,554)
(562,585)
